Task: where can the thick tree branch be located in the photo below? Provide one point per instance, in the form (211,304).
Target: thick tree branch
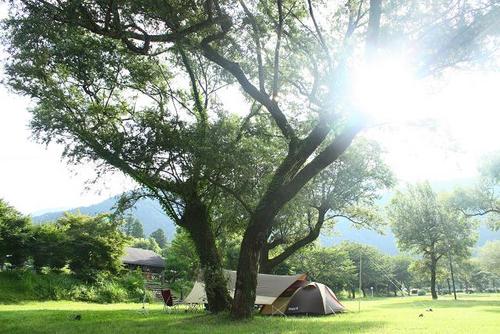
(279,31)
(310,237)
(235,69)
(372,33)
(258,47)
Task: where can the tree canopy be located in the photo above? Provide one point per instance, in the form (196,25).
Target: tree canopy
(160,238)
(14,235)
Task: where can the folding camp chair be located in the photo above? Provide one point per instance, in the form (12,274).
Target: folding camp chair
(168,301)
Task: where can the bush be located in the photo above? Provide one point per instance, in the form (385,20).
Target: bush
(17,286)
(83,293)
(421,292)
(111,293)
(48,286)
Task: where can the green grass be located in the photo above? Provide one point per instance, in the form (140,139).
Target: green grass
(471,314)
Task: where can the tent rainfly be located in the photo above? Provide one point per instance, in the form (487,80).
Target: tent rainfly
(310,299)
(269,287)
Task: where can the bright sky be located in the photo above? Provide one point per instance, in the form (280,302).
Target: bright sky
(461,111)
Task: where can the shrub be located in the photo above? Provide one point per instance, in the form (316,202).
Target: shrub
(111,293)
(16,286)
(421,292)
(83,293)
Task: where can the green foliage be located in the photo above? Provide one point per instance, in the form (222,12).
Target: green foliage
(472,275)
(182,263)
(93,244)
(426,225)
(400,273)
(347,189)
(18,286)
(489,257)
(132,227)
(49,246)
(160,238)
(15,236)
(375,267)
(331,266)
(149,243)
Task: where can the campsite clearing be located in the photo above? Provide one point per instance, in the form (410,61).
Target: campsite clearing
(471,314)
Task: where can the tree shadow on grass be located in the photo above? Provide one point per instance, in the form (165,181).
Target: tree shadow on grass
(129,321)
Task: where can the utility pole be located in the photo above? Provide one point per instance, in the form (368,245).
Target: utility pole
(452,276)
(360,291)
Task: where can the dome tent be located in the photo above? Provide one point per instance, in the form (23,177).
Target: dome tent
(310,299)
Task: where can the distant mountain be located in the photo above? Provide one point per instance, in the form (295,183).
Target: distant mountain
(387,242)
(151,215)
(149,212)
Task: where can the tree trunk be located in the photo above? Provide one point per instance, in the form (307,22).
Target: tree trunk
(433,278)
(246,279)
(265,266)
(353,291)
(196,222)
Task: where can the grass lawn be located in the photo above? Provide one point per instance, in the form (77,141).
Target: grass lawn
(471,314)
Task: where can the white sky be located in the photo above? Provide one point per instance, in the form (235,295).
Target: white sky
(463,108)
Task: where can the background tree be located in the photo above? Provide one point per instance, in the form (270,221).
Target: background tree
(15,233)
(427,226)
(48,247)
(93,244)
(489,257)
(182,264)
(160,238)
(471,276)
(132,227)
(146,243)
(419,270)
(375,270)
(400,273)
(328,265)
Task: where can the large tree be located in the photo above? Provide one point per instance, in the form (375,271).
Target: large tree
(426,225)
(285,58)
(132,114)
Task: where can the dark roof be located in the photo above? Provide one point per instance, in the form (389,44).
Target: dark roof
(142,257)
